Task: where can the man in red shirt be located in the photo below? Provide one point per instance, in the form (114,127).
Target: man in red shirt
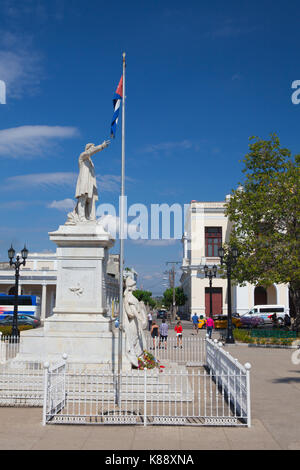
(178,329)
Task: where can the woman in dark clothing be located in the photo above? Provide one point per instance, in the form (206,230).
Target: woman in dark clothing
(154,332)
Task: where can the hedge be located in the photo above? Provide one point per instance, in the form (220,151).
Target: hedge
(245,337)
(7,330)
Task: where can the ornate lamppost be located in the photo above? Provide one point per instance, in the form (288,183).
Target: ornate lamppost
(17,263)
(210,273)
(229,261)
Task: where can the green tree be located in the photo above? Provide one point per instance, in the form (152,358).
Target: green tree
(145,296)
(265,212)
(180,297)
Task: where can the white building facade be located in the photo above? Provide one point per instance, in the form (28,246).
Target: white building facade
(206,229)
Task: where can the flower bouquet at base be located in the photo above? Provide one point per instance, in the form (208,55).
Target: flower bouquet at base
(148,361)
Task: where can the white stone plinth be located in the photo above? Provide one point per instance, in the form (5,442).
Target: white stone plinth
(80,326)
(82,252)
(84,343)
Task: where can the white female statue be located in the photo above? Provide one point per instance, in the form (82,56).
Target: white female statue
(134,338)
(143,322)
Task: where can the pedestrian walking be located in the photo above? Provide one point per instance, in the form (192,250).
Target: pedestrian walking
(274,320)
(287,321)
(209,326)
(195,321)
(178,329)
(154,333)
(149,321)
(163,333)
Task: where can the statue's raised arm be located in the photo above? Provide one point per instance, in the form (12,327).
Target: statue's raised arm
(86,188)
(91,149)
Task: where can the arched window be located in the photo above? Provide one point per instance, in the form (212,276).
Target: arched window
(260,296)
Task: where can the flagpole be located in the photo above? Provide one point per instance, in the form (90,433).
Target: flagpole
(121,231)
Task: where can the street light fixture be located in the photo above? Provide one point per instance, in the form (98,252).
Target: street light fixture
(210,273)
(17,263)
(229,262)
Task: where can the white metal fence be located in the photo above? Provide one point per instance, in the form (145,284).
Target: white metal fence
(21,384)
(231,377)
(214,390)
(54,389)
(189,350)
(148,397)
(9,347)
(217,394)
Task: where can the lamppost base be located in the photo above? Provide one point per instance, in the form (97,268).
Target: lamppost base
(15,333)
(229,339)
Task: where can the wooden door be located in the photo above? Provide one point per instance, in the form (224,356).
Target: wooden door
(216,301)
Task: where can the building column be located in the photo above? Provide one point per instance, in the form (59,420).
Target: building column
(52,302)
(43,303)
(185,245)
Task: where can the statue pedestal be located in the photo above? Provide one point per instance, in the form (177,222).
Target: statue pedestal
(80,326)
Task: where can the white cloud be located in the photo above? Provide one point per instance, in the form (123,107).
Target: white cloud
(15,11)
(29,141)
(108,183)
(229,28)
(11,205)
(236,76)
(161,242)
(169,146)
(43,180)
(20,65)
(111,223)
(63,205)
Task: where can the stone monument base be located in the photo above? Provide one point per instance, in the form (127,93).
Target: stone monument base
(80,326)
(89,343)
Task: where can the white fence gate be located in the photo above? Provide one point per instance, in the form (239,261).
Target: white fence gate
(54,389)
(231,377)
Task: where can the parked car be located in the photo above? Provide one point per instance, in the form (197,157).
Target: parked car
(251,322)
(220,321)
(201,322)
(22,320)
(183,315)
(161,314)
(265,312)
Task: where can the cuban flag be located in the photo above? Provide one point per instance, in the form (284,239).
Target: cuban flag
(117,103)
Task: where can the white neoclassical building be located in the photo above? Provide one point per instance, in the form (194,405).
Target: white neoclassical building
(206,228)
(39,277)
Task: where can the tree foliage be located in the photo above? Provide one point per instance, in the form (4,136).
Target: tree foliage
(180,297)
(145,296)
(265,213)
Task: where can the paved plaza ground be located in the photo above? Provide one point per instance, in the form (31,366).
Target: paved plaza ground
(275,399)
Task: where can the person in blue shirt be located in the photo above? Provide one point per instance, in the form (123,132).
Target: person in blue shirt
(195,321)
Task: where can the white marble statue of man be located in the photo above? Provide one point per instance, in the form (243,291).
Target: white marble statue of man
(133,335)
(86,188)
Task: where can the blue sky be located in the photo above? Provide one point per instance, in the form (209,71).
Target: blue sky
(201,78)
